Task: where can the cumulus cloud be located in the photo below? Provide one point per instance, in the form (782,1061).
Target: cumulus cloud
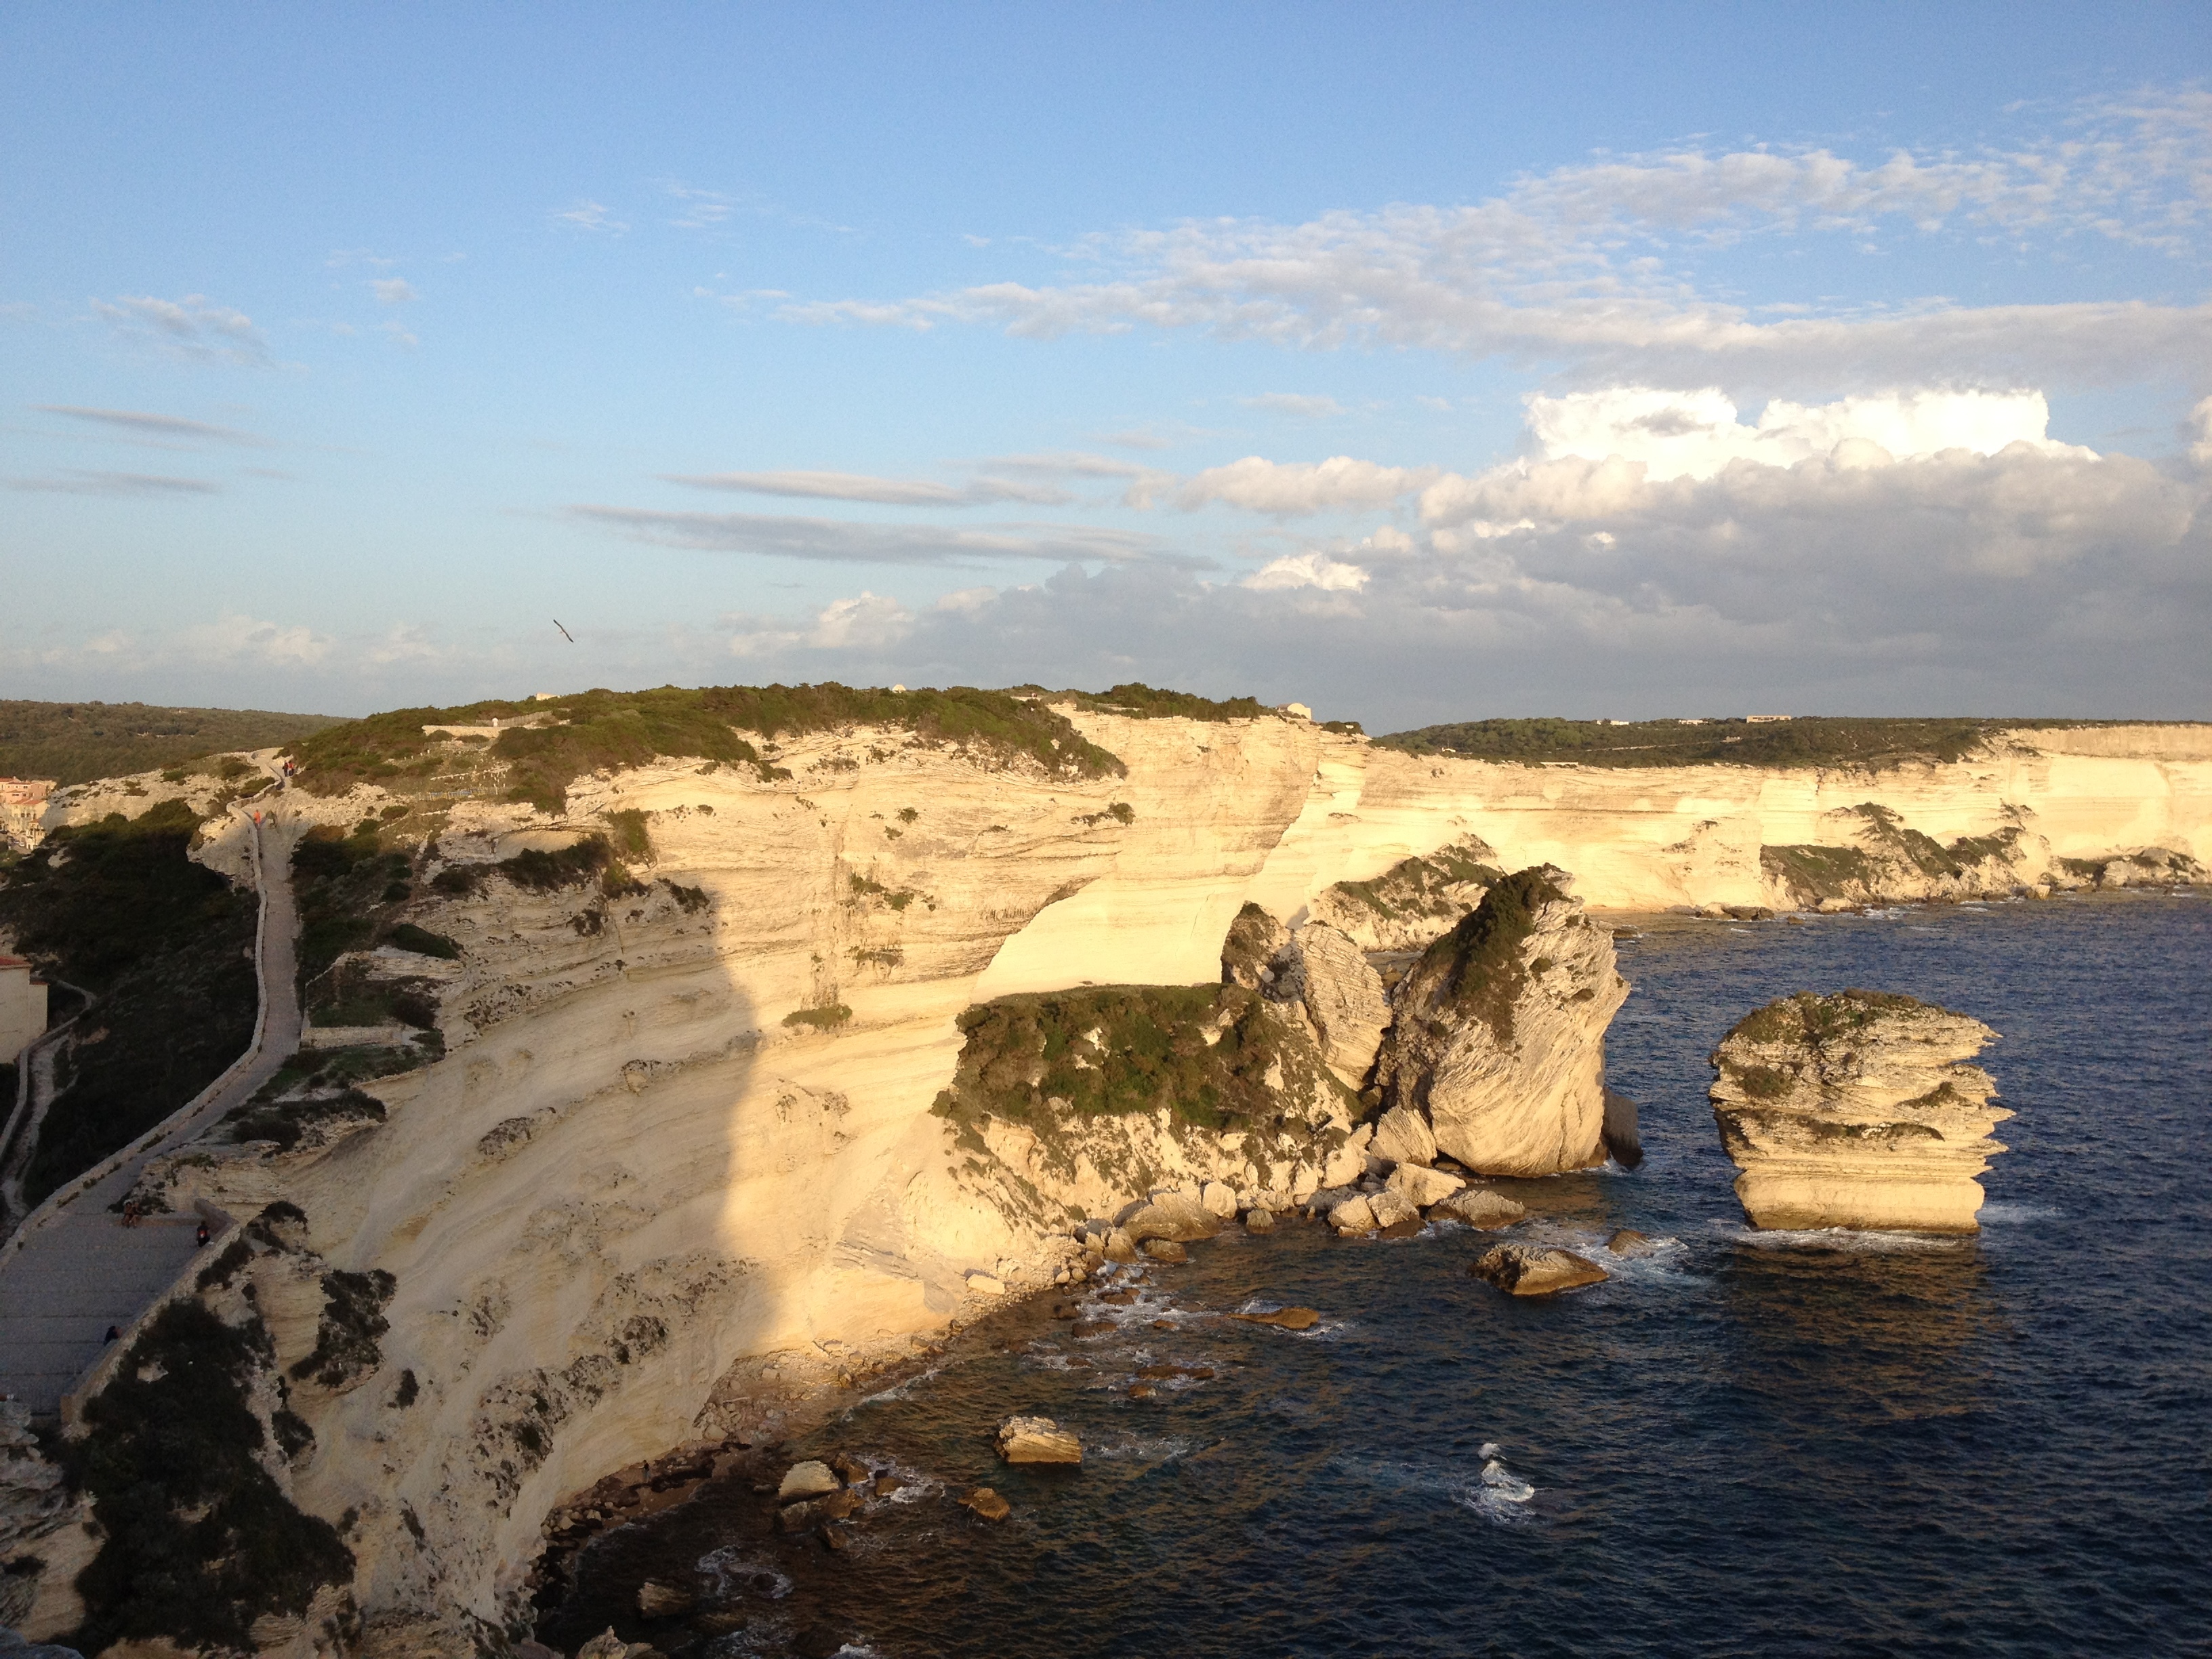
(1693,434)
(589,215)
(860,487)
(1309,570)
(168,430)
(195,327)
(1593,264)
(393,291)
(1286,488)
(841,541)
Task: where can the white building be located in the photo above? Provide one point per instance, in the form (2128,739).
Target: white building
(22,1008)
(22,804)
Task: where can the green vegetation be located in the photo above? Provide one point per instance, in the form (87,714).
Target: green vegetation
(1814,872)
(352,1321)
(1812,1018)
(1811,740)
(627,830)
(1480,958)
(119,909)
(289,1122)
(198,1542)
(1123,1048)
(1142,702)
(608,729)
(1249,947)
(77,742)
(821,1019)
(1418,887)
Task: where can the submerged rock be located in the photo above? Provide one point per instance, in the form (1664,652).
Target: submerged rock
(987,1503)
(1533,1270)
(1857,1109)
(1626,1239)
(1479,1208)
(1037,1440)
(1499,1036)
(1166,1250)
(1290,1319)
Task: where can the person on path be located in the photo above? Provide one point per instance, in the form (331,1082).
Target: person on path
(201,1237)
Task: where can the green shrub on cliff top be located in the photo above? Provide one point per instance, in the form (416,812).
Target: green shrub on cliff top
(1810,740)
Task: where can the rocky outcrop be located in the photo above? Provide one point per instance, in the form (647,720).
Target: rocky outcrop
(1857,1109)
(1326,975)
(1499,1043)
(1533,1270)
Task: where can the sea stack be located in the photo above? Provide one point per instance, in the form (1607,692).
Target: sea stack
(1499,1043)
(1857,1109)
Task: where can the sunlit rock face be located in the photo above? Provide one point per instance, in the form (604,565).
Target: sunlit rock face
(1499,1037)
(1858,1109)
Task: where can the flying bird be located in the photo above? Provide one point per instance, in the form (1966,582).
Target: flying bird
(565,634)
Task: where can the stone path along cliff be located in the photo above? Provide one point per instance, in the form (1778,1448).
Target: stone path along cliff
(75,1269)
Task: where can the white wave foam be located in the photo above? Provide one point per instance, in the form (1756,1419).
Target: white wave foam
(1846,1241)
(737,1574)
(2003,1215)
(1494,1491)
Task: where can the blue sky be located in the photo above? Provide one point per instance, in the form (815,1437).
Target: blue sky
(1418,363)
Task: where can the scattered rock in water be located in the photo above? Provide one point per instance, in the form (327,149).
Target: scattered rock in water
(1259,1221)
(605,1646)
(796,1519)
(1140,1391)
(1393,1209)
(1084,1328)
(1122,1298)
(849,1469)
(1169,1372)
(818,1641)
(1119,1248)
(838,1505)
(1479,1208)
(1857,1109)
(808,1480)
(1354,1215)
(1534,1270)
(1166,1250)
(1422,1187)
(1626,1239)
(885,1485)
(1290,1319)
(657,1601)
(987,1503)
(1037,1440)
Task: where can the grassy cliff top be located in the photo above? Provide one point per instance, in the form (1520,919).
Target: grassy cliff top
(1808,741)
(583,732)
(77,742)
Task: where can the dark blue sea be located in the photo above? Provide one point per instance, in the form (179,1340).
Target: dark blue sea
(1742,1444)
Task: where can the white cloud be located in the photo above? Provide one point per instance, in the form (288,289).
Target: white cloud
(1695,434)
(860,487)
(591,216)
(235,636)
(1306,405)
(1309,570)
(393,291)
(194,327)
(868,621)
(1289,488)
(1593,265)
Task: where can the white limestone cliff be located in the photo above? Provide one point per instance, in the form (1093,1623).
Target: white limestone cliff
(1857,1109)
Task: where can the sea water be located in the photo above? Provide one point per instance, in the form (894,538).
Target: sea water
(1816,1444)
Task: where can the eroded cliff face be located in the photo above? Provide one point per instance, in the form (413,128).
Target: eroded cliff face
(1858,1109)
(680,1153)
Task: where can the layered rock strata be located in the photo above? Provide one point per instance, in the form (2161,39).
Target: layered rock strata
(1857,1109)
(1499,1043)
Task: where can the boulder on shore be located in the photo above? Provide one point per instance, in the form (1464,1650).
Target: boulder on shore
(1479,1208)
(812,1479)
(1354,1215)
(1403,1135)
(1533,1270)
(1037,1440)
(1179,1215)
(1499,1035)
(1422,1187)
(1857,1109)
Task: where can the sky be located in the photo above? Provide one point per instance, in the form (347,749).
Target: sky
(1417,363)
